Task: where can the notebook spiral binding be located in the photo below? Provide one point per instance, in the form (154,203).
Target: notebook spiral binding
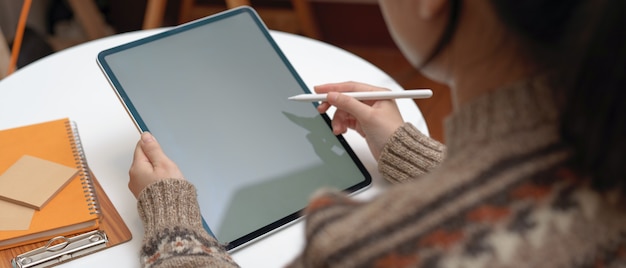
(83,168)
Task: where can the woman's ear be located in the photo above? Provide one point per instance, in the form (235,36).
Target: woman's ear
(431,9)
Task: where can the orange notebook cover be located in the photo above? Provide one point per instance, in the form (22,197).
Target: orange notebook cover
(74,208)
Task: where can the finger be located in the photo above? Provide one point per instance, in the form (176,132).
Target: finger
(323,107)
(351,122)
(139,156)
(346,87)
(152,150)
(351,105)
(339,122)
(320,89)
(140,160)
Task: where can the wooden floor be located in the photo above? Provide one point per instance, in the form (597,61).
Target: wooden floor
(391,61)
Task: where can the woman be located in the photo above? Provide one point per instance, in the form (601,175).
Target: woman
(531,174)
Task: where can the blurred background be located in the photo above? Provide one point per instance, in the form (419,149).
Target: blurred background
(354,25)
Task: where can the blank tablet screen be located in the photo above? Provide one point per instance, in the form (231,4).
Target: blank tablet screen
(214,93)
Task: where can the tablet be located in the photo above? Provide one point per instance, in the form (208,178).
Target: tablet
(214,93)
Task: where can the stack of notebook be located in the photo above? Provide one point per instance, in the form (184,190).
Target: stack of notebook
(47,189)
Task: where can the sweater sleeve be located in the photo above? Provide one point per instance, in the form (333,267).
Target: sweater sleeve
(174,235)
(409,154)
(327,206)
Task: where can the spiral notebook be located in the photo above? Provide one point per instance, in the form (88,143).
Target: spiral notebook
(74,208)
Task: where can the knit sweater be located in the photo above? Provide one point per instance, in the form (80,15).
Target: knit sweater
(502,196)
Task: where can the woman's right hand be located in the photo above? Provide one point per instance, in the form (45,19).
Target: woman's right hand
(150,164)
(375,120)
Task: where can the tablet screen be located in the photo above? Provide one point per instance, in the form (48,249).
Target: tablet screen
(214,93)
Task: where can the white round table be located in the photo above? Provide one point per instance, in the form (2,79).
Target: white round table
(70,84)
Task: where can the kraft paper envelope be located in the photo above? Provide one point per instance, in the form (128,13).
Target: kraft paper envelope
(33,181)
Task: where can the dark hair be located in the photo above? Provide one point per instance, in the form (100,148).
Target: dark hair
(583,43)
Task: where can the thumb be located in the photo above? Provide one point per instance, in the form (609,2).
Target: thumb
(152,149)
(349,104)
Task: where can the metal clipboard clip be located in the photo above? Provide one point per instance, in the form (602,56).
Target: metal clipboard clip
(64,249)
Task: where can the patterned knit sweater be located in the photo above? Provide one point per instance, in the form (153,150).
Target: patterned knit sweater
(502,197)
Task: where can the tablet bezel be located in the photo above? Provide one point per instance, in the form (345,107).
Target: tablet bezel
(142,127)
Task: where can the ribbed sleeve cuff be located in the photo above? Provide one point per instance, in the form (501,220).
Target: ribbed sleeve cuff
(168,203)
(409,154)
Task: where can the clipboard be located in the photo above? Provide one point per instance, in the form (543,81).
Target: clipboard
(113,231)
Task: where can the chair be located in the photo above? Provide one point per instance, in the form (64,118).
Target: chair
(90,18)
(299,19)
(87,14)
(5,55)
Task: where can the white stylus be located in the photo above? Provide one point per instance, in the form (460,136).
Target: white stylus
(370,95)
